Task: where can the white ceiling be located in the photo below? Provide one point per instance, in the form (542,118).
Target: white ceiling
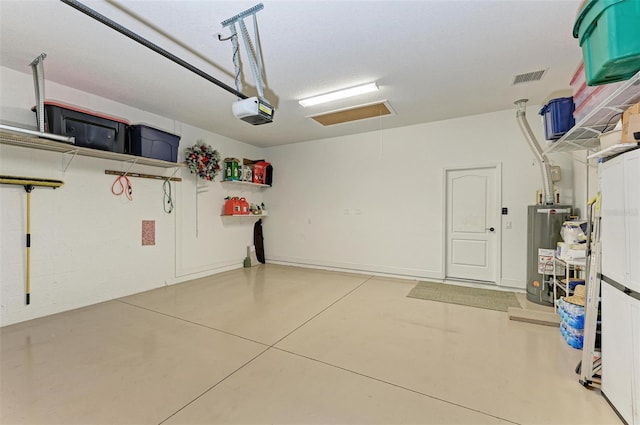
(433,60)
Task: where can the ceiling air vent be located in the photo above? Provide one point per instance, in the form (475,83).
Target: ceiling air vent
(528,77)
(355,113)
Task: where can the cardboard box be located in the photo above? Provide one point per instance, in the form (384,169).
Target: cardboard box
(576,254)
(630,123)
(610,138)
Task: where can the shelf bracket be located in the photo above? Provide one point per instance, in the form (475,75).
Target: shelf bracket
(615,109)
(593,130)
(132,163)
(73,154)
(171,177)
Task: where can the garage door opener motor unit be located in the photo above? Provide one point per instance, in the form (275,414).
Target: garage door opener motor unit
(254,110)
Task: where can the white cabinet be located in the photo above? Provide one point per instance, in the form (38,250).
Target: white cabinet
(618,351)
(620,189)
(635,372)
(614,262)
(632,215)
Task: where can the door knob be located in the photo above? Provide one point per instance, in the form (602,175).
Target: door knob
(491,229)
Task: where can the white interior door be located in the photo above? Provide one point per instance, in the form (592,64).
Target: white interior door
(472,228)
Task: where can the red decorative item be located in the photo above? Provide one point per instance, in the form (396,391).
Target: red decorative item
(203,160)
(260,171)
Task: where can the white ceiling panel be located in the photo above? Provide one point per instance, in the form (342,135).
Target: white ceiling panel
(433,60)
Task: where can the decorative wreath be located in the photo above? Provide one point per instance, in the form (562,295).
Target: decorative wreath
(203,160)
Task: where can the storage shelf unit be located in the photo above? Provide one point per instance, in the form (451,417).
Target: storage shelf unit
(572,269)
(244,183)
(613,150)
(584,135)
(7,138)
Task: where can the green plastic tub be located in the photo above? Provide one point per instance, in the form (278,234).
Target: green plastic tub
(609,34)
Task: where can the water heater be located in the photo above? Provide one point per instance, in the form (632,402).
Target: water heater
(544,225)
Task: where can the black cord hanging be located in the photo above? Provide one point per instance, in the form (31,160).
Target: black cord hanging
(167,200)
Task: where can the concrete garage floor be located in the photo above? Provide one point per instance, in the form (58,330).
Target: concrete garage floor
(276,344)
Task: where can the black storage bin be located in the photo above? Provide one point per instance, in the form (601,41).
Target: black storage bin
(90,129)
(152,143)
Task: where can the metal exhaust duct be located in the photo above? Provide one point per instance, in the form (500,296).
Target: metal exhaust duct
(545,169)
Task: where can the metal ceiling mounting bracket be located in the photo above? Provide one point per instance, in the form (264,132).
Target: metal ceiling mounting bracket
(255,59)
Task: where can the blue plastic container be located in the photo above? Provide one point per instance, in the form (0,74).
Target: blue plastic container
(573,337)
(558,117)
(572,317)
(153,143)
(574,283)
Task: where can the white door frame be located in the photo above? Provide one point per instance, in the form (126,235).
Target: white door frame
(498,188)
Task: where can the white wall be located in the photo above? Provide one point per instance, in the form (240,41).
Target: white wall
(374,201)
(370,202)
(86,242)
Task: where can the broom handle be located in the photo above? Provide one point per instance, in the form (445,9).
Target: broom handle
(28,188)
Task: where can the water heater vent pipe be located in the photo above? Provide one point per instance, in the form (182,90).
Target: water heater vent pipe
(545,169)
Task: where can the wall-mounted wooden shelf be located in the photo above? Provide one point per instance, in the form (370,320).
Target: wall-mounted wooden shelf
(8,138)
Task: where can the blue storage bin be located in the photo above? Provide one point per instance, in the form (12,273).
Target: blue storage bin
(558,117)
(153,143)
(574,283)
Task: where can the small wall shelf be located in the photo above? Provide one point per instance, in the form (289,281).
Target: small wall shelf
(244,183)
(245,215)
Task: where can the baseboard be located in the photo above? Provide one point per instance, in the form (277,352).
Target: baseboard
(383,271)
(204,271)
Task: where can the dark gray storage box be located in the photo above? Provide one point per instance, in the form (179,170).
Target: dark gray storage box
(90,129)
(152,143)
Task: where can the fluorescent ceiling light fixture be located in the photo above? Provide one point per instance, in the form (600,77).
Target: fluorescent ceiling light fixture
(340,94)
